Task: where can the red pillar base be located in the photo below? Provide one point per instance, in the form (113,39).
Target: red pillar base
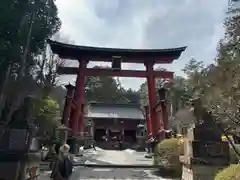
(81,121)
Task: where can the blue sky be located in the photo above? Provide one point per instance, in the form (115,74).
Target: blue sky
(197,24)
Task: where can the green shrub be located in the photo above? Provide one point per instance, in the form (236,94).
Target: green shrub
(167,153)
(46,115)
(230,173)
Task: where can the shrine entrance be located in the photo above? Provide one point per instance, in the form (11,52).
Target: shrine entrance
(114,124)
(73,115)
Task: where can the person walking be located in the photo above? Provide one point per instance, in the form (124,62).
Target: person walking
(120,141)
(63,167)
(94,145)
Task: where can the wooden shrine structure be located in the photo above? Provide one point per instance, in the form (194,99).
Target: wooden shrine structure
(73,115)
(112,122)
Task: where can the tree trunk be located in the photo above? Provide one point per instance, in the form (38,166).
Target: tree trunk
(2,97)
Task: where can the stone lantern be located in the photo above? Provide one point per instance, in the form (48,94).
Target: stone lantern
(141,130)
(141,135)
(62,132)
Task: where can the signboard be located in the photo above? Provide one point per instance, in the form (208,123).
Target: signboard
(18,139)
(116,62)
(14,139)
(113,115)
(213,150)
(14,144)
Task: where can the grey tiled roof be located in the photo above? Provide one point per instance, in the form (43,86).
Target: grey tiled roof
(115,111)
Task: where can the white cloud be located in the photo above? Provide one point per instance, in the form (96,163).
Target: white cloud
(146,24)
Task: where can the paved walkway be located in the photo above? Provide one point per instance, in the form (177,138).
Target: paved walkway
(111,157)
(124,157)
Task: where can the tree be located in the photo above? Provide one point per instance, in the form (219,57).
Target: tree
(226,74)
(177,92)
(46,71)
(176,89)
(143,93)
(25,27)
(218,83)
(103,89)
(47,116)
(108,90)
(194,71)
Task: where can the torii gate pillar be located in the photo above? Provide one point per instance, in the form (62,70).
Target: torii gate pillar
(68,105)
(148,121)
(78,116)
(152,98)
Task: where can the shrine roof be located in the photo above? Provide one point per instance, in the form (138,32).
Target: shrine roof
(75,52)
(113,111)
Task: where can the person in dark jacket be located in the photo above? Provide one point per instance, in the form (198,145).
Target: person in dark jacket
(63,167)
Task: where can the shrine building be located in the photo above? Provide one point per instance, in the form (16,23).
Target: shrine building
(113,120)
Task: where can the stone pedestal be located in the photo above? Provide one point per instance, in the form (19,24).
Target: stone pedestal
(204,153)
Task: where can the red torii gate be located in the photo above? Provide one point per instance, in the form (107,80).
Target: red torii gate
(73,112)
